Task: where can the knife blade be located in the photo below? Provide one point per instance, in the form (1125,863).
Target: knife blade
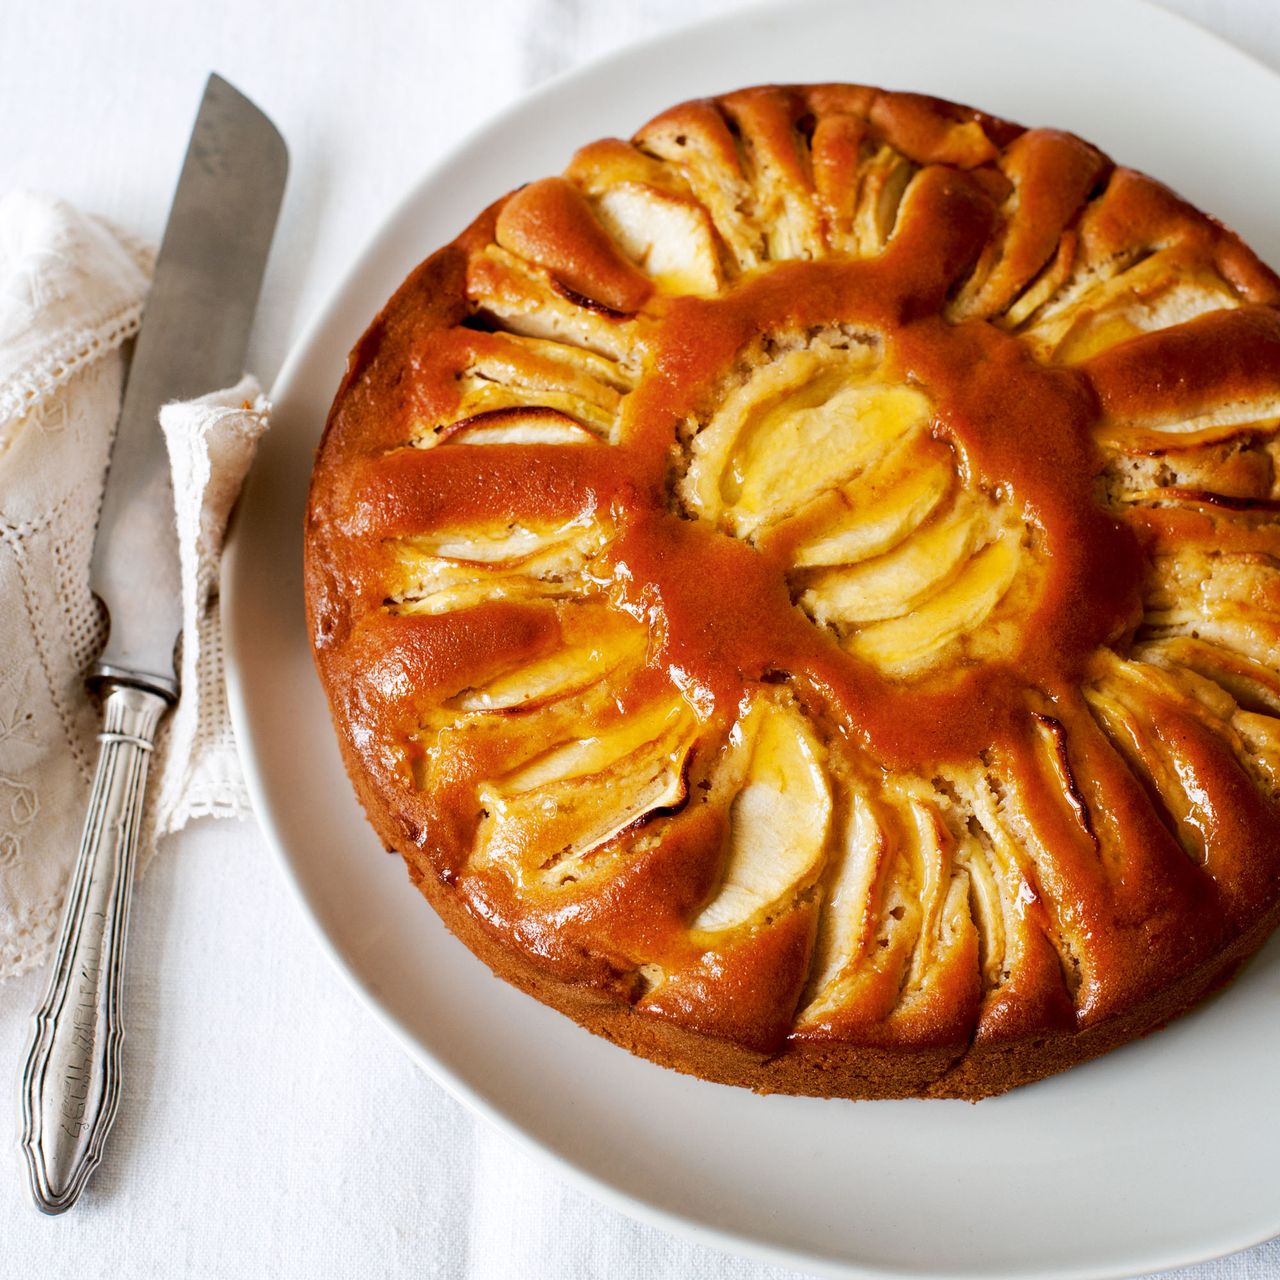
(194,334)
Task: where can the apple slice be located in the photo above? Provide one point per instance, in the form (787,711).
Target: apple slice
(905,644)
(1157,292)
(519,362)
(451,569)
(881,184)
(555,676)
(897,906)
(669,237)
(882,506)
(819,405)
(547,816)
(890,585)
(512,372)
(929,847)
(778,822)
(1230,598)
(846,927)
(1128,700)
(608,643)
(599,641)
(702,153)
(541,548)
(987,908)
(481,399)
(1173,734)
(1250,682)
(527,302)
(454,597)
(519,425)
(825,433)
(1259,739)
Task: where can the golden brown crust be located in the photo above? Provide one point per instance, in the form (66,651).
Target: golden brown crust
(802,593)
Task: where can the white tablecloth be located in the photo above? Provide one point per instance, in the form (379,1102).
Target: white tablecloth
(268,1126)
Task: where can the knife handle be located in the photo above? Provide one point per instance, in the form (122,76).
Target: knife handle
(71,1082)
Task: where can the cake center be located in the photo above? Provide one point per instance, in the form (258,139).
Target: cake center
(826,458)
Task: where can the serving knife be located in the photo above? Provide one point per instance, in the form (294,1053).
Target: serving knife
(195,329)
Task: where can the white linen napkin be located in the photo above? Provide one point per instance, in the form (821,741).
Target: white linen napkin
(71,294)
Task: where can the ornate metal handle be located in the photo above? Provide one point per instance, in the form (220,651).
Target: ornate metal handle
(71,1083)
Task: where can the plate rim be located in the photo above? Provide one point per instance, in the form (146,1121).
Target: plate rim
(759,1248)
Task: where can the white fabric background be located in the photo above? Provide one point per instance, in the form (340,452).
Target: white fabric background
(268,1126)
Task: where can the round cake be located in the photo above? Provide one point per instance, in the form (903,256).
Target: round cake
(801,591)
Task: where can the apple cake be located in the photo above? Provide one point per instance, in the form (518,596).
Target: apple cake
(801,591)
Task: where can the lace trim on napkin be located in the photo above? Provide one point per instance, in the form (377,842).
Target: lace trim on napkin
(71,294)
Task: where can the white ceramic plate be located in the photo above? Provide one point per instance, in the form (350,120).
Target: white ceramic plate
(1162,1153)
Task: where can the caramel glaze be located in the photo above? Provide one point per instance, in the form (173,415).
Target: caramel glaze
(1120,894)
(725,615)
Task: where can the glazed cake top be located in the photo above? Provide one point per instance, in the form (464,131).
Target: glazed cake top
(812,570)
